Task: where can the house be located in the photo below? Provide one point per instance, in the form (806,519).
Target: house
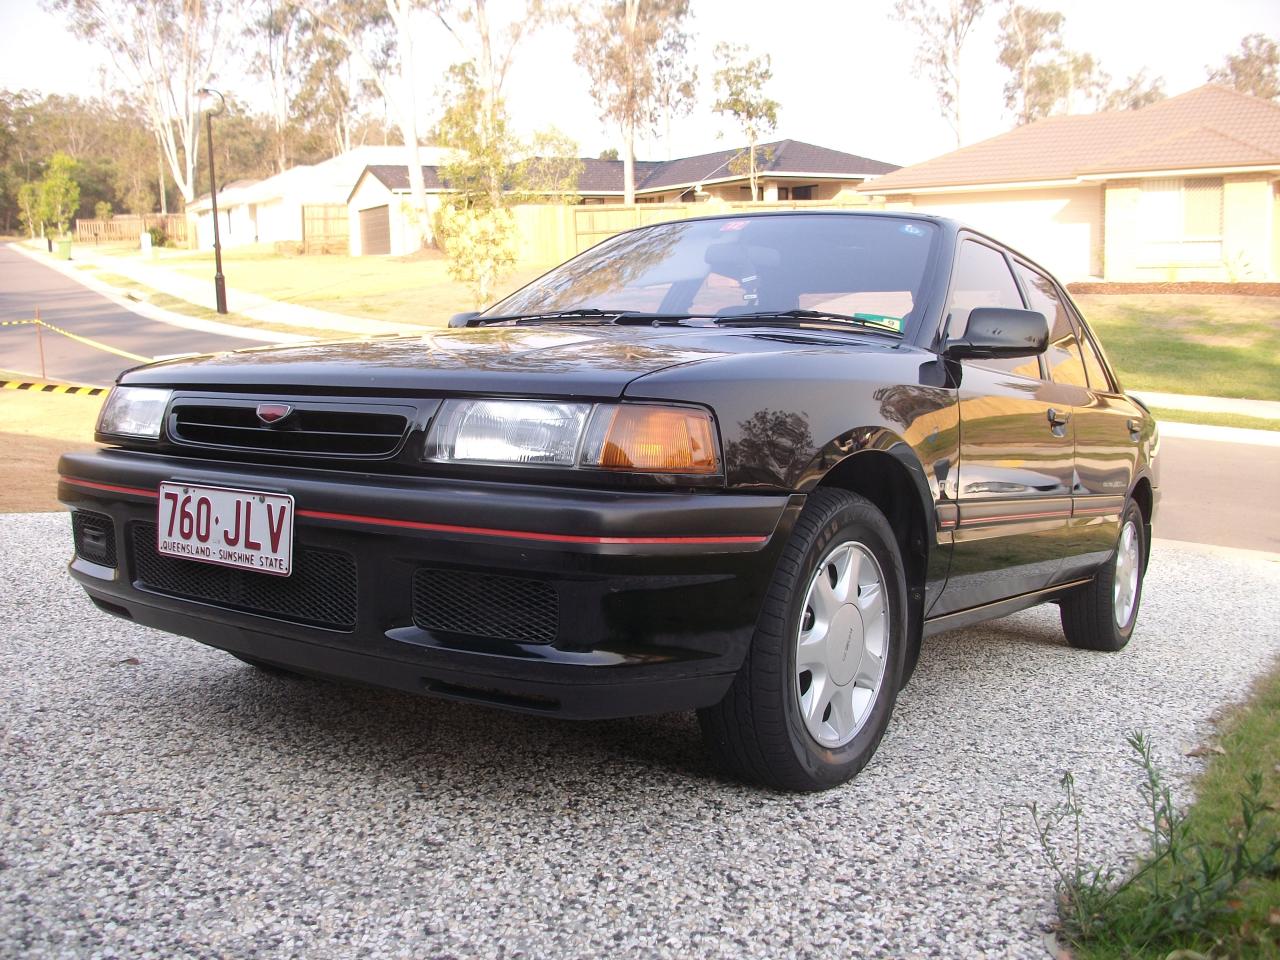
(290,205)
(1184,189)
(787,170)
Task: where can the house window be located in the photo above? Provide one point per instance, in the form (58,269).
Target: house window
(802,193)
(1180,221)
(784,193)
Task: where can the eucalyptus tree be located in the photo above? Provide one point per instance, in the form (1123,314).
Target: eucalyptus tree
(164,52)
(621,45)
(942,27)
(1254,70)
(740,85)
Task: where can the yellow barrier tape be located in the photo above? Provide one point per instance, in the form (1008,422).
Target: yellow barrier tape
(39,386)
(87,341)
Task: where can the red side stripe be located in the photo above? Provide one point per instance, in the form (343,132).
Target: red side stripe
(452,528)
(518,534)
(112,488)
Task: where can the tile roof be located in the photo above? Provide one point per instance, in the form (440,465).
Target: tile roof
(1210,126)
(782,157)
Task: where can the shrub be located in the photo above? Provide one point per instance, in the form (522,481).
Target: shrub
(158,237)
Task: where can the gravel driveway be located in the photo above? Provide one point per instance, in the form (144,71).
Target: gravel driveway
(158,798)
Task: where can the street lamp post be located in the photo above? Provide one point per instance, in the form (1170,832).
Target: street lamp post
(219,282)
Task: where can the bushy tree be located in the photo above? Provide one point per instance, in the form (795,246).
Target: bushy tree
(475,226)
(550,172)
(59,193)
(31,207)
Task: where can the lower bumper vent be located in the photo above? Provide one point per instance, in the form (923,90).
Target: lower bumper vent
(483,605)
(95,537)
(321,591)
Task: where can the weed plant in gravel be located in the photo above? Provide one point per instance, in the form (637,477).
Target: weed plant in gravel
(1209,886)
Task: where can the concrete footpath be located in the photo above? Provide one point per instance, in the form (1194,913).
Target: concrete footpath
(1266,409)
(199,291)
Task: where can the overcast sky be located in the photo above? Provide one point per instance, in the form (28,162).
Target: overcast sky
(842,70)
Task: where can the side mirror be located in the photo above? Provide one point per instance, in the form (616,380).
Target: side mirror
(1000,332)
(464,319)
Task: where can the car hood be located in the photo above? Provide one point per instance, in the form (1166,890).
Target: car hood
(564,360)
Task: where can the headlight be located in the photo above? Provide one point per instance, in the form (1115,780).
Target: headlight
(640,438)
(507,431)
(134,412)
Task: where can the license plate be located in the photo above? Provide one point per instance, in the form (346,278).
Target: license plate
(232,528)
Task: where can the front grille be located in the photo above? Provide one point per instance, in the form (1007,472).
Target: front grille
(483,605)
(95,537)
(321,590)
(311,429)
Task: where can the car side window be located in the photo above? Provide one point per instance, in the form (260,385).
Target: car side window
(1098,379)
(1063,355)
(982,279)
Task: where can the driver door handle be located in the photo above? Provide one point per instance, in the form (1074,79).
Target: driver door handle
(1058,418)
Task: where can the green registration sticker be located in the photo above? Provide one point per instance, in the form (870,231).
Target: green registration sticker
(891,323)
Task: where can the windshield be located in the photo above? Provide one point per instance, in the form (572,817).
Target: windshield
(866,267)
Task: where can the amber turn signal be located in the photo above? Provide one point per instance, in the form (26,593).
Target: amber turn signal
(651,439)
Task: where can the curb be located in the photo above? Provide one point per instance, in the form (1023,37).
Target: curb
(41,386)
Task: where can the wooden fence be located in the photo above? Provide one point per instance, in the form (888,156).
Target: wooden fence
(326,228)
(124,228)
(550,233)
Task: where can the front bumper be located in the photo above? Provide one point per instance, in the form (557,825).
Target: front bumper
(656,594)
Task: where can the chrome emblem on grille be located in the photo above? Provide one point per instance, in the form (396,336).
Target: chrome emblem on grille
(273,413)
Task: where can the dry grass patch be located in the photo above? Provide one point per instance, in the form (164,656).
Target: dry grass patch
(36,429)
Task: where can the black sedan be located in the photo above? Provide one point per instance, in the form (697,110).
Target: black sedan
(740,464)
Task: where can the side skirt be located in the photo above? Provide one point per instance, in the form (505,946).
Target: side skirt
(1000,608)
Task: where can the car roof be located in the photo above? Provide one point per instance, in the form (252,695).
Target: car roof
(945,222)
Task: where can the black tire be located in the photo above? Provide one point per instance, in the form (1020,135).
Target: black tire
(266,666)
(1089,616)
(757,732)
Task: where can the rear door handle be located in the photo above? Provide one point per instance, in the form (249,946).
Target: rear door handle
(1135,429)
(1058,418)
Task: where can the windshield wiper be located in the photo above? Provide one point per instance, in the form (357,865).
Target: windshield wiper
(870,321)
(620,316)
(547,315)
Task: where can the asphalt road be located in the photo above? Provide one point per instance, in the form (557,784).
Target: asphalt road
(26,284)
(159,798)
(1226,494)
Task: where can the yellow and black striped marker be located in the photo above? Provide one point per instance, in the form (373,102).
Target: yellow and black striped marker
(38,386)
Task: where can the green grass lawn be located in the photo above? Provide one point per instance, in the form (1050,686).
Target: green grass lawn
(416,289)
(1218,346)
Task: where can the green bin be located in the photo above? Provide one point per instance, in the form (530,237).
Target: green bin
(62,248)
